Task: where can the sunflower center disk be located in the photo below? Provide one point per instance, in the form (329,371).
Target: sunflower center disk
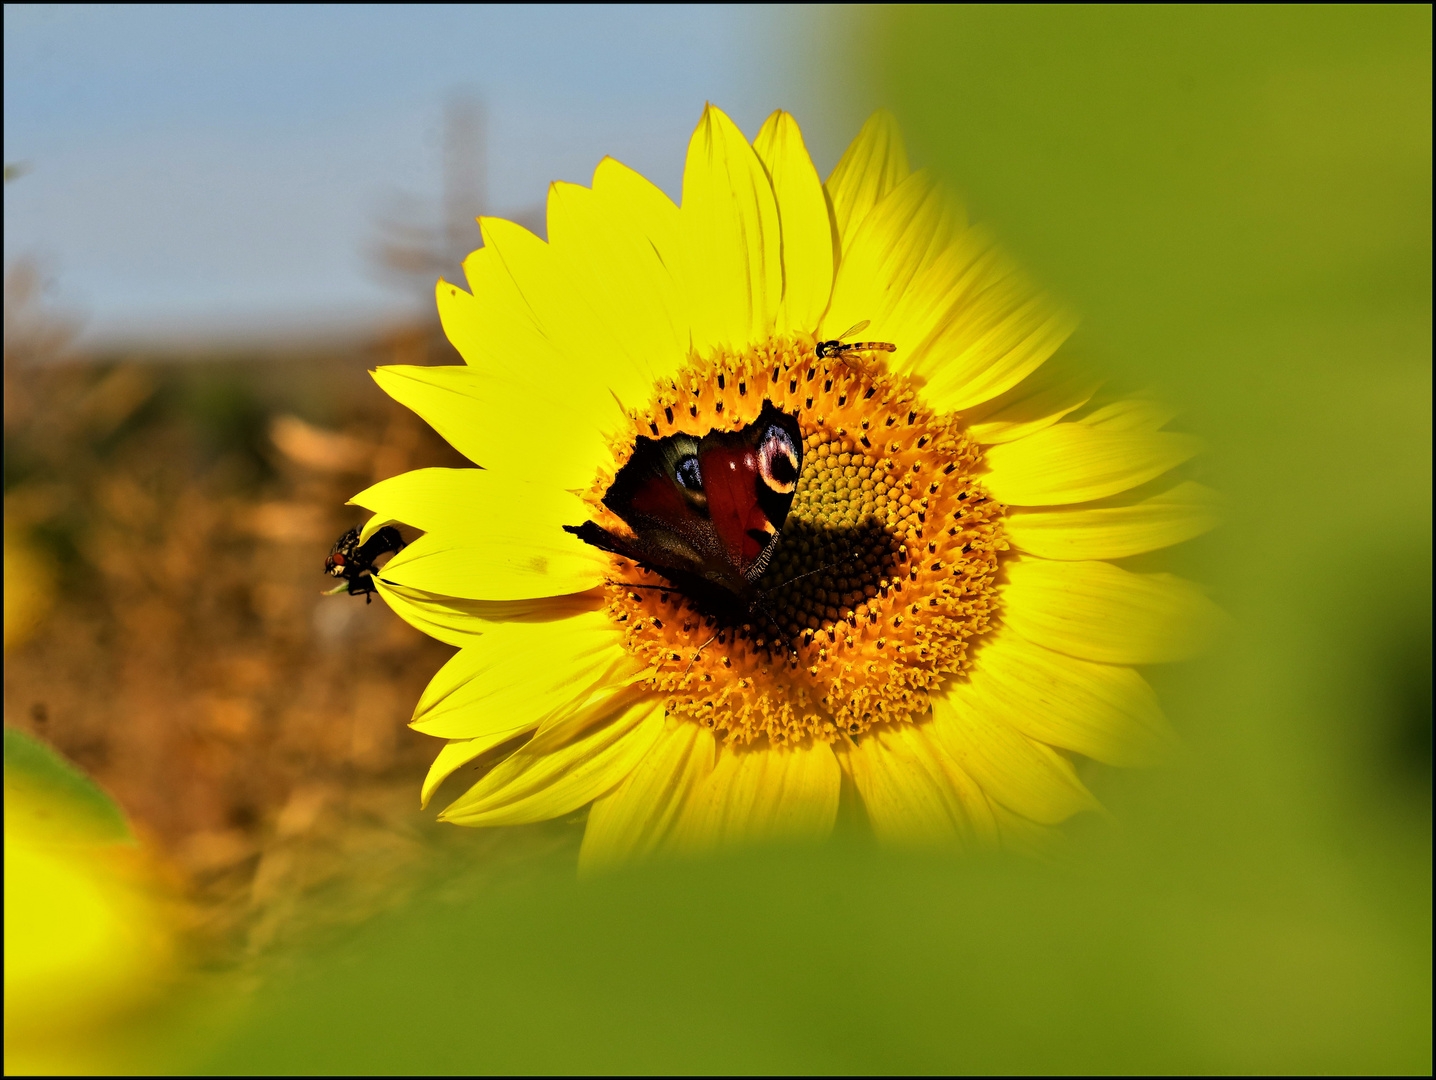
(884,570)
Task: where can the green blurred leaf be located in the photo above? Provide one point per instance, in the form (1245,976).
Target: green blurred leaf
(61,798)
(849,960)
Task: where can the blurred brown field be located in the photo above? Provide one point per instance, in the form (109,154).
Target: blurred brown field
(167,519)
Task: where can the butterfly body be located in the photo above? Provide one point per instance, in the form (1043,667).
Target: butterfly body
(706,511)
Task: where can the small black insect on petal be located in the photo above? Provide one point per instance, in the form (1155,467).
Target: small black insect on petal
(353,562)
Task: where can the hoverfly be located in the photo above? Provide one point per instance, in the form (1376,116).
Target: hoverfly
(837,347)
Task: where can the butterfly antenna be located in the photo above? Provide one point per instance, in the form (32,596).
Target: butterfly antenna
(799,577)
(698,652)
(637,585)
(773,622)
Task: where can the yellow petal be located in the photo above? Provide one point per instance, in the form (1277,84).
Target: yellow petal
(461,622)
(874,163)
(1070,463)
(763,793)
(961,316)
(1130,414)
(491,325)
(1024,836)
(447,690)
(733,260)
(631,198)
(559,772)
(637,818)
(621,282)
(443,500)
(490,418)
(990,343)
(901,267)
(487,535)
(1023,775)
(1116,531)
(567,307)
(456,753)
(1097,611)
(477,567)
(519,674)
(913,791)
(809,237)
(463,317)
(1103,711)
(1038,401)
(513,313)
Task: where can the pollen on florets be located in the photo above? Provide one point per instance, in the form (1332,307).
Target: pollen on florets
(883,574)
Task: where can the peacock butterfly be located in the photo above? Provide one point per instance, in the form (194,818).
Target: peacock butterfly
(706,511)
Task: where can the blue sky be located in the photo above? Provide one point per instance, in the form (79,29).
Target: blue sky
(222,168)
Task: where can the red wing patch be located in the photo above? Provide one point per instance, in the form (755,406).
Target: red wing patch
(657,497)
(729,478)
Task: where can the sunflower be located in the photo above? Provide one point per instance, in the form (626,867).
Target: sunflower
(939,635)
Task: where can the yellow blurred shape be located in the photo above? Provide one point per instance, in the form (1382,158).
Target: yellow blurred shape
(29,587)
(86,940)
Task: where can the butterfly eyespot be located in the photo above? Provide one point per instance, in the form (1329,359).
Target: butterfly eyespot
(688,474)
(778,461)
(783,469)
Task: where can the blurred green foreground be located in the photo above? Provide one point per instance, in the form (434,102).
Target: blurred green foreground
(1238,201)
(853,961)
